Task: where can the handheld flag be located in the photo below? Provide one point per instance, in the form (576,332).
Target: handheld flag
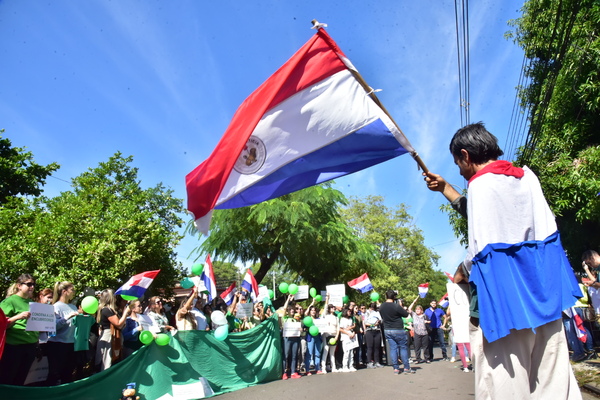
(208,278)
(313,120)
(229,294)
(136,285)
(362,283)
(450,276)
(579,328)
(423,289)
(249,283)
(444,302)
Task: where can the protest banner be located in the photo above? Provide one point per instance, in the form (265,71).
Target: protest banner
(244,310)
(302,293)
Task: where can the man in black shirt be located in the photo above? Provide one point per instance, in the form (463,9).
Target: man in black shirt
(392,314)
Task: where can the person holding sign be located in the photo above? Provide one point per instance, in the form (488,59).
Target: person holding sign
(329,336)
(61,348)
(21,345)
(349,340)
(291,342)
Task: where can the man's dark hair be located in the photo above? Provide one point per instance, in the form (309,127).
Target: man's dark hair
(390,294)
(481,145)
(588,255)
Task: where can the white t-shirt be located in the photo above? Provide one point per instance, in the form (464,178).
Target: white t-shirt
(200,319)
(595,297)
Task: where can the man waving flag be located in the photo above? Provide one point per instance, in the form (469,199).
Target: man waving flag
(313,120)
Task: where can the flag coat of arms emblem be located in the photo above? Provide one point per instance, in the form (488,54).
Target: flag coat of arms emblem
(250,285)
(312,121)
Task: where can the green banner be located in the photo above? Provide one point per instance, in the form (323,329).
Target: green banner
(243,359)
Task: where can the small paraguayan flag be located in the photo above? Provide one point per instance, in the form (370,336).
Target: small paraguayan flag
(362,283)
(229,294)
(423,289)
(136,285)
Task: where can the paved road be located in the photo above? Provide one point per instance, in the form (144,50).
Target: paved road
(440,379)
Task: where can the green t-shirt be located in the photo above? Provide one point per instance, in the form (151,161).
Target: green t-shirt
(17,334)
(83,325)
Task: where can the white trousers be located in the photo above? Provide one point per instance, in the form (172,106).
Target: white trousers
(524,365)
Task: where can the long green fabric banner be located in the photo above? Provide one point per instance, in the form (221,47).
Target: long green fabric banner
(175,371)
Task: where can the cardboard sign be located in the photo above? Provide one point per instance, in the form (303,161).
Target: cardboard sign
(42,318)
(263,293)
(336,294)
(244,310)
(292,329)
(302,293)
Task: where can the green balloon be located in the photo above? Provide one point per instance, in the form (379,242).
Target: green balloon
(346,299)
(332,342)
(308,321)
(271,294)
(146,337)
(89,304)
(313,292)
(162,339)
(221,332)
(128,298)
(197,269)
(293,288)
(318,298)
(313,330)
(187,283)
(374,296)
(283,287)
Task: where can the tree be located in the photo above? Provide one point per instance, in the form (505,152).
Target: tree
(302,232)
(19,173)
(407,261)
(561,40)
(101,233)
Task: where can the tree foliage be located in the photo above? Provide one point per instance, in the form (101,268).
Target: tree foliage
(560,38)
(99,234)
(19,173)
(406,261)
(303,232)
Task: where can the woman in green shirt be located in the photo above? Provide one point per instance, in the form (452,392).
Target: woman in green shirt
(21,345)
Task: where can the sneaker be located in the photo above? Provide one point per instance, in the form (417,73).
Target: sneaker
(445,359)
(377,365)
(352,369)
(396,372)
(427,361)
(335,370)
(345,369)
(409,371)
(467,359)
(453,359)
(284,377)
(308,374)
(295,375)
(319,372)
(466,370)
(370,365)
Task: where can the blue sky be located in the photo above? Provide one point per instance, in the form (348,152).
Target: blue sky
(160,80)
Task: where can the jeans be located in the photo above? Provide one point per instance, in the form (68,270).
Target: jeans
(397,340)
(290,350)
(313,353)
(437,333)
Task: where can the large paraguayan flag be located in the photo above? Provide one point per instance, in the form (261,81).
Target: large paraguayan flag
(136,285)
(310,122)
(208,278)
(362,283)
(519,268)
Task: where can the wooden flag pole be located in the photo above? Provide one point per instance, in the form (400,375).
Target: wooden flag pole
(371,93)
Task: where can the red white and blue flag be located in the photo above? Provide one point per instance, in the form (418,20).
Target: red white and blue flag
(450,276)
(444,302)
(579,327)
(423,289)
(136,285)
(229,294)
(310,122)
(250,285)
(208,278)
(362,283)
